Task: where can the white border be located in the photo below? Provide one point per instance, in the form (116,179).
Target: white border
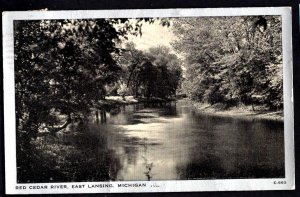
(152,186)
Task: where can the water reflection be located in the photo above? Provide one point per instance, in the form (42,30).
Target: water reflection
(171,141)
(102,115)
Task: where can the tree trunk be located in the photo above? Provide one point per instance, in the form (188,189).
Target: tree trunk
(252,106)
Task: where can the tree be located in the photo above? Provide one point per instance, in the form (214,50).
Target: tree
(168,71)
(154,73)
(228,58)
(62,68)
(132,61)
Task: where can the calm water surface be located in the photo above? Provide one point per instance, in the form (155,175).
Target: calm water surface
(173,142)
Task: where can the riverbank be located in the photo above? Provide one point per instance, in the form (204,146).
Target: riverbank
(112,101)
(245,112)
(67,156)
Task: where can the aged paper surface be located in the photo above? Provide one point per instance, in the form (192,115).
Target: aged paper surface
(164,100)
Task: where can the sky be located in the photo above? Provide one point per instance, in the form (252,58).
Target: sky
(153,35)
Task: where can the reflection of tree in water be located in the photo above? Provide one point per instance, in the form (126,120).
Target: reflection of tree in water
(225,152)
(131,152)
(114,166)
(134,149)
(102,118)
(170,110)
(138,107)
(148,165)
(115,111)
(208,167)
(101,114)
(131,149)
(211,168)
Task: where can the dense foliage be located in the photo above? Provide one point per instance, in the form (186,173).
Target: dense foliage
(61,67)
(232,60)
(153,73)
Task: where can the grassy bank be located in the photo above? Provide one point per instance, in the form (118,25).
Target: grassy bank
(245,112)
(69,157)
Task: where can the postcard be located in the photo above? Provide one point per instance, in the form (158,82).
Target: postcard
(155,100)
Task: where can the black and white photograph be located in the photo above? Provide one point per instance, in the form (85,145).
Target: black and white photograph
(145,100)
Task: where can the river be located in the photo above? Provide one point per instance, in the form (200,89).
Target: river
(172,141)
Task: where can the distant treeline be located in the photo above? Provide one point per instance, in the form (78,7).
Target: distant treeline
(152,73)
(232,60)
